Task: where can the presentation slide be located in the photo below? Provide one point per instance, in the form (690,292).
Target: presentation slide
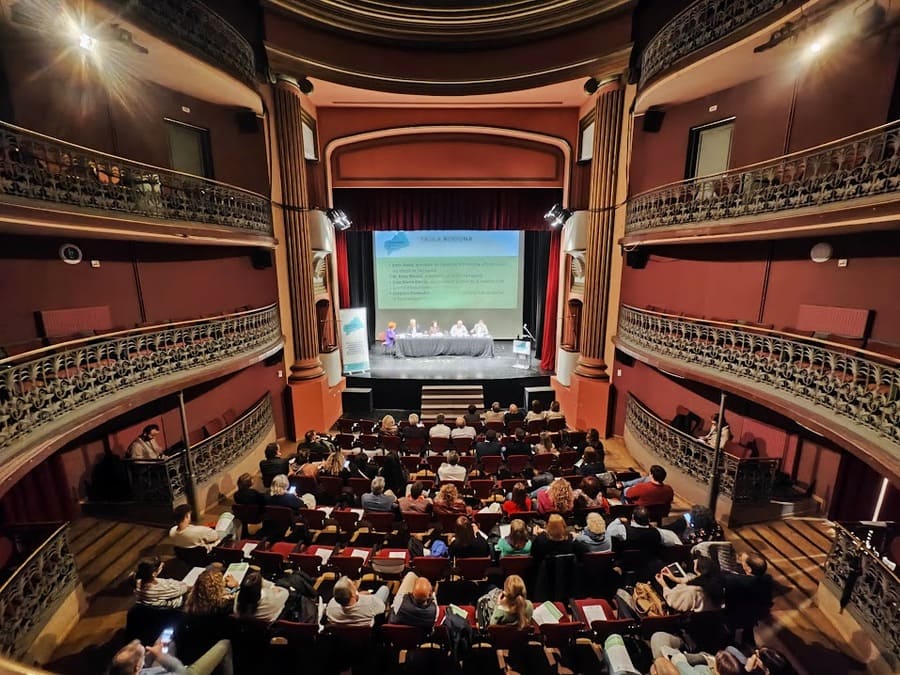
(450,275)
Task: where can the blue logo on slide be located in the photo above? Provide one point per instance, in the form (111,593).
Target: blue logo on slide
(396,242)
(353,325)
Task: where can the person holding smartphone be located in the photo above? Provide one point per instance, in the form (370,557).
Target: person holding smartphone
(698,592)
(136,659)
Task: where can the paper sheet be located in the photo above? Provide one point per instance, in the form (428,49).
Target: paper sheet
(323,553)
(546,612)
(359,553)
(397,554)
(191,577)
(593,613)
(249,548)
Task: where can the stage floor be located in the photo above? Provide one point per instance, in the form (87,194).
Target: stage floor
(501,367)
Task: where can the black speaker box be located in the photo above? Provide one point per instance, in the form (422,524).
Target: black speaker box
(653,120)
(636,259)
(261,258)
(247,122)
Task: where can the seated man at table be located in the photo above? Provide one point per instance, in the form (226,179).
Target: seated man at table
(351,607)
(459,330)
(435,329)
(480,329)
(413,328)
(378,499)
(414,604)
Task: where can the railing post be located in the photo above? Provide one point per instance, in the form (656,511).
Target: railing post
(717,454)
(188,458)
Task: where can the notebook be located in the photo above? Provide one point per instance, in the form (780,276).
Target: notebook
(238,571)
(594,613)
(546,612)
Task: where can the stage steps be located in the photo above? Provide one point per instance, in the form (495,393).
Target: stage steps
(450,400)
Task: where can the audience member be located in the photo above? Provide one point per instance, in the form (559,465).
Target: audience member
(467,541)
(699,591)
(554,412)
(273,465)
(462,430)
(451,469)
(555,540)
(416,501)
(280,495)
(415,429)
(303,466)
(211,594)
(362,467)
(132,659)
(414,605)
(748,596)
(697,526)
(378,499)
(710,437)
(145,446)
(513,414)
(589,495)
(259,598)
(545,444)
(649,490)
(495,414)
(517,542)
(518,446)
(472,416)
(151,591)
(638,534)
(592,462)
(439,430)
(315,445)
(188,535)
(556,498)
(513,607)
(489,447)
(519,501)
(592,539)
(245,494)
(350,606)
(448,501)
(394,473)
(334,465)
(536,412)
(388,426)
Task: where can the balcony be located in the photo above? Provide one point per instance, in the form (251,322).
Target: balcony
(49,396)
(195,28)
(43,172)
(823,188)
(44,576)
(849,395)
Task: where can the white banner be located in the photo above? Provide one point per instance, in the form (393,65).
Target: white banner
(355,340)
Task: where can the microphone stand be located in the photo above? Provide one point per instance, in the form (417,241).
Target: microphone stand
(533,345)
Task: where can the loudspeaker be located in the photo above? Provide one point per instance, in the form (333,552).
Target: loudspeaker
(625,359)
(247,121)
(653,120)
(261,258)
(637,258)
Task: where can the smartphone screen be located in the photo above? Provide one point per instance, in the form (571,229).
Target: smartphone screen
(292,490)
(165,638)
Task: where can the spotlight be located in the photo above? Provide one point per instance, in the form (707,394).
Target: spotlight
(339,219)
(557,216)
(86,42)
(305,85)
(591,85)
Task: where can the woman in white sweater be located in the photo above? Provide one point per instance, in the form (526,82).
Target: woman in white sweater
(698,592)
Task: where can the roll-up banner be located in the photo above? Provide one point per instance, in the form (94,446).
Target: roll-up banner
(355,340)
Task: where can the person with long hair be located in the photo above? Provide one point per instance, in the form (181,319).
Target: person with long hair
(698,592)
(467,542)
(545,444)
(388,426)
(151,591)
(519,500)
(259,598)
(211,594)
(557,498)
(513,606)
(555,540)
(448,501)
(334,465)
(517,542)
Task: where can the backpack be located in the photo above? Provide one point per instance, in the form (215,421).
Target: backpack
(459,635)
(301,609)
(485,608)
(647,601)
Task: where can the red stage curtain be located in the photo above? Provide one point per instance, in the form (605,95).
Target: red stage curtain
(343,269)
(447,208)
(548,343)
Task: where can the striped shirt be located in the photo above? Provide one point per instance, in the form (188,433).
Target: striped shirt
(168,593)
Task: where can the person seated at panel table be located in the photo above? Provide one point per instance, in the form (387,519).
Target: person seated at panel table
(480,329)
(459,330)
(413,328)
(435,329)
(390,334)
(145,446)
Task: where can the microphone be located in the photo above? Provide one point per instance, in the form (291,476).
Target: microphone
(525,326)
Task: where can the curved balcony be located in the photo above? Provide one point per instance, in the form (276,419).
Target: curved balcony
(37,169)
(824,184)
(849,395)
(39,584)
(51,395)
(700,25)
(194,27)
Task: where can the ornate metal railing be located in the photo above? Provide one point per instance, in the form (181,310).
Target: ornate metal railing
(868,589)
(860,388)
(33,593)
(157,481)
(701,24)
(197,29)
(864,165)
(743,480)
(221,450)
(40,388)
(34,166)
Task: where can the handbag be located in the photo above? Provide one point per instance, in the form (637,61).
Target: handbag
(647,601)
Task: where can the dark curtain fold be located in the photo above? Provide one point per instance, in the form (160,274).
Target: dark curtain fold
(343,268)
(362,276)
(447,208)
(41,495)
(537,250)
(551,303)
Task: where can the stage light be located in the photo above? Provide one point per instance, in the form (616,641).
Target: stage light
(557,216)
(339,219)
(816,47)
(86,42)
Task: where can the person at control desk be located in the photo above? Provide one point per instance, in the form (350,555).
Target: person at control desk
(146,446)
(413,328)
(459,330)
(480,329)
(435,329)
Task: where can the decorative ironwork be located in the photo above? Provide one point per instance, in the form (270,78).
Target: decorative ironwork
(40,388)
(743,480)
(864,165)
(197,29)
(34,592)
(34,166)
(702,23)
(868,588)
(157,481)
(216,453)
(860,389)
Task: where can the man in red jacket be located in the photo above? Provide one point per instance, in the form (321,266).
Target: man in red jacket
(650,490)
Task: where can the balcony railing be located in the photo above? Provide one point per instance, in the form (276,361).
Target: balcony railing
(38,167)
(37,587)
(868,589)
(859,388)
(742,480)
(197,29)
(864,165)
(699,25)
(39,388)
(154,481)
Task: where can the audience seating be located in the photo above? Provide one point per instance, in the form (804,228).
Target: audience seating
(490,464)
(473,569)
(416,522)
(542,463)
(433,569)
(193,556)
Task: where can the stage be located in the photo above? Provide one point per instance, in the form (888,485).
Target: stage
(396,383)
